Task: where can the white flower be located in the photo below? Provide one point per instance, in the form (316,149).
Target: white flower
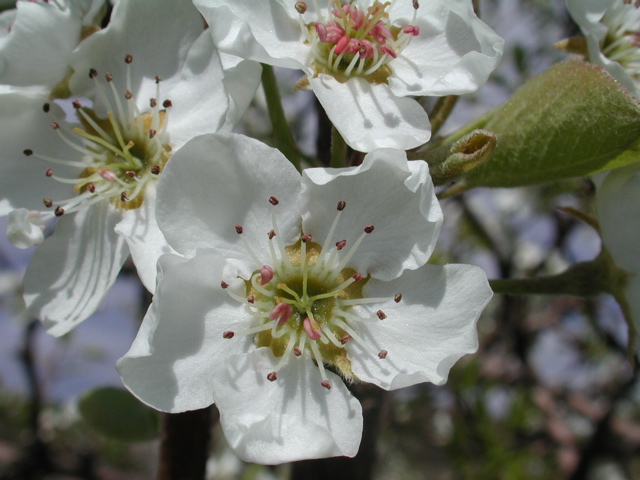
(612,30)
(154,80)
(285,284)
(618,203)
(38,37)
(364,59)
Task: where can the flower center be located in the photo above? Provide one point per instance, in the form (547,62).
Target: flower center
(348,40)
(118,156)
(622,43)
(304,302)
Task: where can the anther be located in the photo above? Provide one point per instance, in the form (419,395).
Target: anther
(167,103)
(128,95)
(273,201)
(28,152)
(93,73)
(341,205)
(55,125)
(357,276)
(131,173)
(128,58)
(266,274)
(224,284)
(272,377)
(416,5)
(297,352)
(124,197)
(239,230)
(345,339)
(108,175)
(381,315)
(153,102)
(301,7)
(271,234)
(108,77)
(46,107)
(281,312)
(158,78)
(48,172)
(397,297)
(228,334)
(91,187)
(152,133)
(306,238)
(155,170)
(76,104)
(368,228)
(341,244)
(59,211)
(326,384)
(383,354)
(251,299)
(47,202)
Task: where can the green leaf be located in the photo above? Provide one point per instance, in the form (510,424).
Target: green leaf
(116,414)
(572,120)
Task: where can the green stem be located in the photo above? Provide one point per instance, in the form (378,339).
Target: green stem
(441,111)
(338,149)
(281,132)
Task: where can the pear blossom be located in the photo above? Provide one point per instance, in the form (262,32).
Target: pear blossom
(37,39)
(284,289)
(612,30)
(618,204)
(146,84)
(365,59)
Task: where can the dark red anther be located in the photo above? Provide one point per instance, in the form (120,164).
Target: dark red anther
(128,58)
(93,73)
(251,299)
(91,187)
(55,125)
(272,377)
(224,284)
(48,172)
(301,7)
(345,339)
(155,170)
(341,205)
(239,230)
(306,238)
(383,354)
(271,234)
(131,173)
(357,276)
(273,201)
(167,103)
(381,315)
(59,211)
(341,244)
(153,102)
(28,152)
(228,334)
(124,197)
(297,352)
(397,297)
(326,384)
(368,228)
(46,107)
(158,78)
(128,95)
(152,133)
(47,202)
(76,104)
(108,77)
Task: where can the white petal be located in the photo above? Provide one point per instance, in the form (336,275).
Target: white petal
(293,418)
(588,13)
(145,240)
(427,331)
(37,50)
(454,53)
(394,195)
(229,179)
(276,38)
(170,364)
(241,80)
(371,116)
(74,268)
(24,228)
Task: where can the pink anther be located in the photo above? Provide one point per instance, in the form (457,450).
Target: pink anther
(266,274)
(312,328)
(281,312)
